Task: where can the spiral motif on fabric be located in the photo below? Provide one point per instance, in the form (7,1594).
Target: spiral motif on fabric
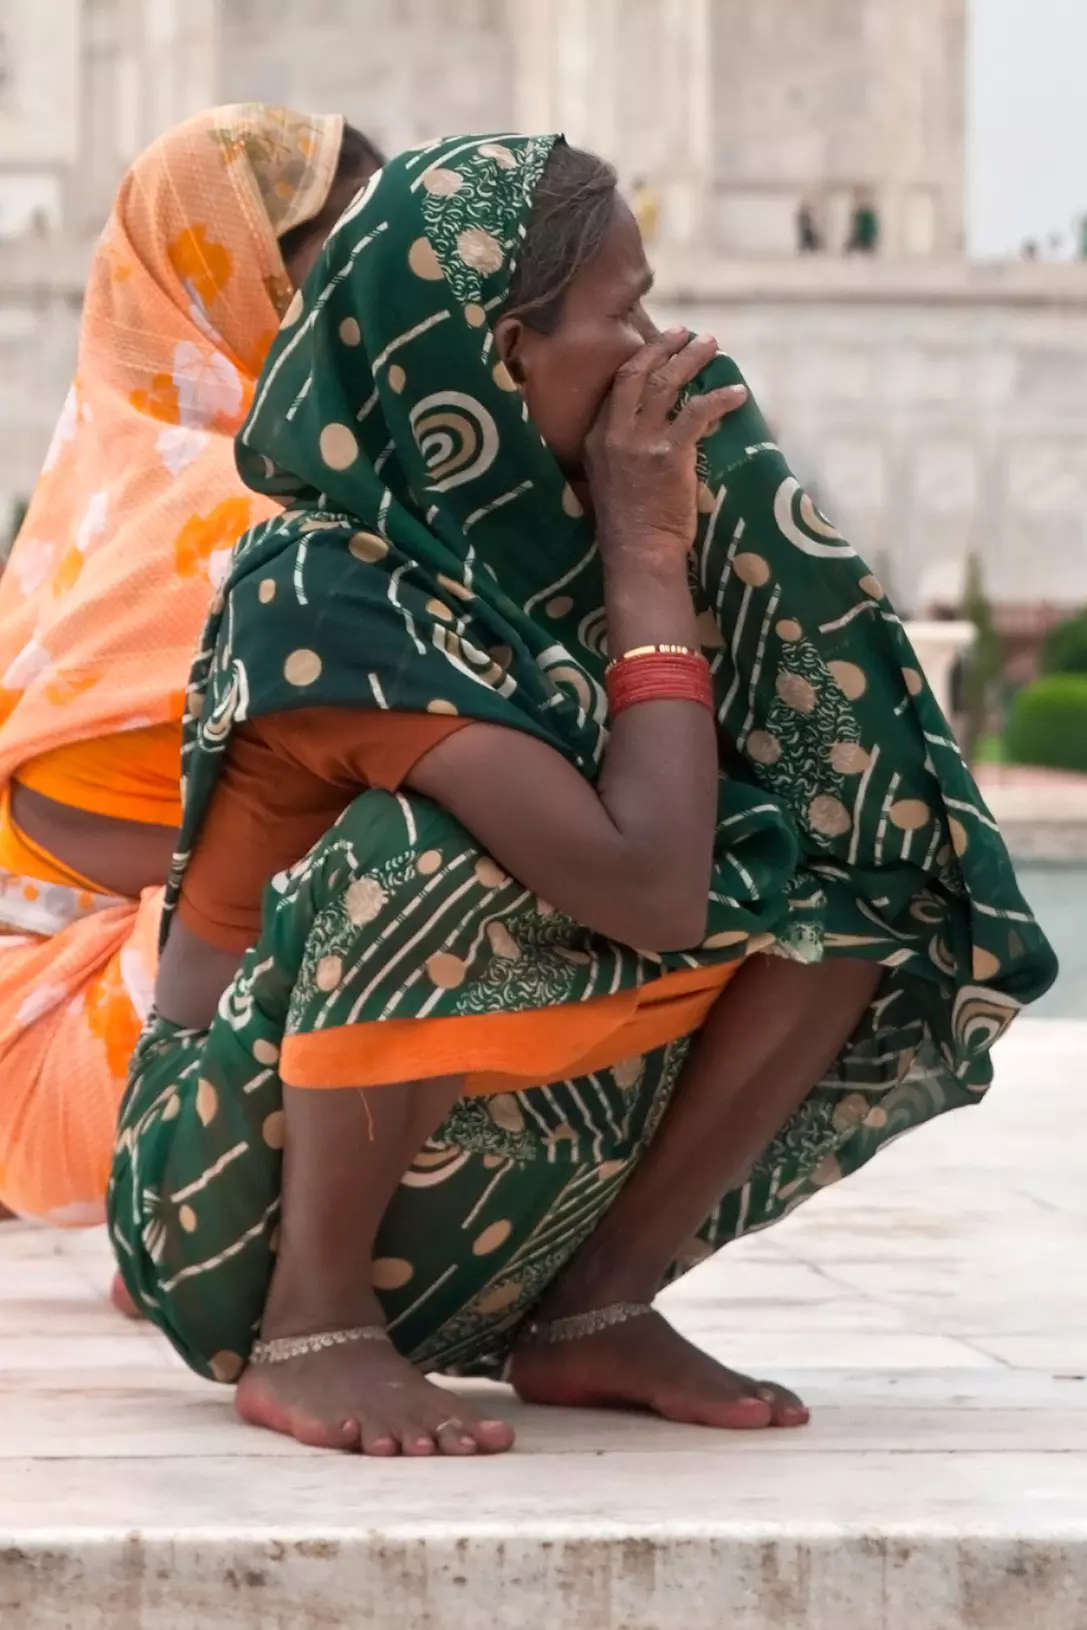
(231,707)
(925,909)
(561,669)
(236,1004)
(800,521)
(980,1018)
(456,436)
(434,1167)
(593,632)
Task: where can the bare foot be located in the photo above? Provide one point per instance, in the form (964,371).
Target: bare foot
(122,1301)
(366,1399)
(645,1364)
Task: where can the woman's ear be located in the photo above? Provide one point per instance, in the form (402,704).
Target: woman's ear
(509,338)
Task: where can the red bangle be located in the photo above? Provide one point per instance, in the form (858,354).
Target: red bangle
(661,675)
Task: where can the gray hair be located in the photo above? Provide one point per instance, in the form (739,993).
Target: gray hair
(572,209)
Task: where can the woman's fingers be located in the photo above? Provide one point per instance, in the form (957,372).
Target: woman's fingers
(628,387)
(702,414)
(664,384)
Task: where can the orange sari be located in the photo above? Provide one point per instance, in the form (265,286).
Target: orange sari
(127,535)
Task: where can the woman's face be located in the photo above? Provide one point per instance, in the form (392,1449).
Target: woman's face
(564,376)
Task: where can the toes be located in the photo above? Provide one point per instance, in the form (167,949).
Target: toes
(735,1412)
(378,1441)
(454,1438)
(786,1409)
(493,1437)
(345,1436)
(744,1413)
(418,1445)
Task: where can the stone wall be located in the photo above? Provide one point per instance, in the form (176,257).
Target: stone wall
(812,100)
(41,290)
(935,409)
(402,70)
(738,111)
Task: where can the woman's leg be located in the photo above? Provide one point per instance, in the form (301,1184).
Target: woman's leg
(345,1153)
(774,1032)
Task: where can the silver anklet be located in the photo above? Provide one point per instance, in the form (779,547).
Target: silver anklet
(578,1325)
(281,1349)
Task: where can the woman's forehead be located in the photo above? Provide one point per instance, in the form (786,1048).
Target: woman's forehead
(619,267)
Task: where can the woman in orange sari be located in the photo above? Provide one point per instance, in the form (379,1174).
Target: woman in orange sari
(128,533)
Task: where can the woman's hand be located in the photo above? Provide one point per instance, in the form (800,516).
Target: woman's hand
(641,461)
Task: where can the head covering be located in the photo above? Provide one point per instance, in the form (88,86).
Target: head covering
(434,558)
(139,501)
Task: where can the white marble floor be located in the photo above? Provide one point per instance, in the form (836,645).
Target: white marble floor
(933,1311)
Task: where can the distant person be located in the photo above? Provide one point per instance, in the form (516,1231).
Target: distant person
(809,239)
(864,226)
(1055,246)
(646,205)
(1081,237)
(103,598)
(1030,249)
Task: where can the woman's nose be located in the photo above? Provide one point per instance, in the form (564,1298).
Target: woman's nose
(645,325)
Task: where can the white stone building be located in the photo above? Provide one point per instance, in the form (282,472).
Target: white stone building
(937,407)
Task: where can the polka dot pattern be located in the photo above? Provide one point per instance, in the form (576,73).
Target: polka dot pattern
(424,262)
(849,678)
(339,449)
(367,546)
(302,668)
(446,971)
(391,1273)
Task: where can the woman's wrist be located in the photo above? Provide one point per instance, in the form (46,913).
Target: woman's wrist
(648,599)
(633,550)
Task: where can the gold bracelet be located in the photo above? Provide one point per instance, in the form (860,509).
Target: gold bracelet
(653,651)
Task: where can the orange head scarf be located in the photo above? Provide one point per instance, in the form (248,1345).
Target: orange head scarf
(139,504)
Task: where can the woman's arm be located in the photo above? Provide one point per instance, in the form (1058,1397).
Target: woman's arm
(629,857)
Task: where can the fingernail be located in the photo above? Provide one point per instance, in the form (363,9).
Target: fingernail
(674,333)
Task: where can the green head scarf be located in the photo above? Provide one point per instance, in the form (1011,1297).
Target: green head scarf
(433,558)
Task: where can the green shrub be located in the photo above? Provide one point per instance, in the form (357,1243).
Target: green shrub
(1065,647)
(1048,724)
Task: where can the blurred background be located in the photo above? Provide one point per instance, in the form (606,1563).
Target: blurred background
(878,206)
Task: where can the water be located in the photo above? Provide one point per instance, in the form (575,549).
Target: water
(1058,897)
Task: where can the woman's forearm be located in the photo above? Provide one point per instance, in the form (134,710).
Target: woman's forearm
(631,856)
(659,778)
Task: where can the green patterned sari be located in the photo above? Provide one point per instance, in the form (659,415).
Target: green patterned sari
(432,558)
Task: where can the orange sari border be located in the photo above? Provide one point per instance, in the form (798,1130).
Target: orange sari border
(507,1052)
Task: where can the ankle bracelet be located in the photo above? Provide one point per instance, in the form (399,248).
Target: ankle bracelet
(281,1349)
(576,1326)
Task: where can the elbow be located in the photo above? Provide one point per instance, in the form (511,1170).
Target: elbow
(667,918)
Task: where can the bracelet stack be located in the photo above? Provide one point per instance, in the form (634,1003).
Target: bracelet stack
(658,673)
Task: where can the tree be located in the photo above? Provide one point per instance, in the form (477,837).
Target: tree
(1065,648)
